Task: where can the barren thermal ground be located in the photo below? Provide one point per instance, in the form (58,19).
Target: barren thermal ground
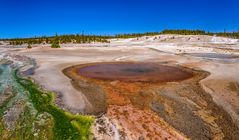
(151,87)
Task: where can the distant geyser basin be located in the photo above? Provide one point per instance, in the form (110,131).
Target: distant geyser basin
(133,72)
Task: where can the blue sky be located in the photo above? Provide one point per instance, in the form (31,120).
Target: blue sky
(25,18)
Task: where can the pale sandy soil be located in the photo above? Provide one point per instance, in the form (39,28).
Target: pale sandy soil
(222,84)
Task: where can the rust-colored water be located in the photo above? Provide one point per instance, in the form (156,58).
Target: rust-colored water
(133,72)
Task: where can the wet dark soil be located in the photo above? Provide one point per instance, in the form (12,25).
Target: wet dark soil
(214,55)
(28,72)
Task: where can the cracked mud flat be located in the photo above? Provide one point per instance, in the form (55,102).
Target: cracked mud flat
(142,105)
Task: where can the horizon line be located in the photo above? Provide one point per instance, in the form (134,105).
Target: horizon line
(113,34)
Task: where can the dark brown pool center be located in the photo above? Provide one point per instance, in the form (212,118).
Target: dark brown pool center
(133,72)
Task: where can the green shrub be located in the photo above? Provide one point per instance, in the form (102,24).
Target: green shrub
(55,45)
(29,46)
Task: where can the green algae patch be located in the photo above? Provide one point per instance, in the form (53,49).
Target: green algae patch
(66,125)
